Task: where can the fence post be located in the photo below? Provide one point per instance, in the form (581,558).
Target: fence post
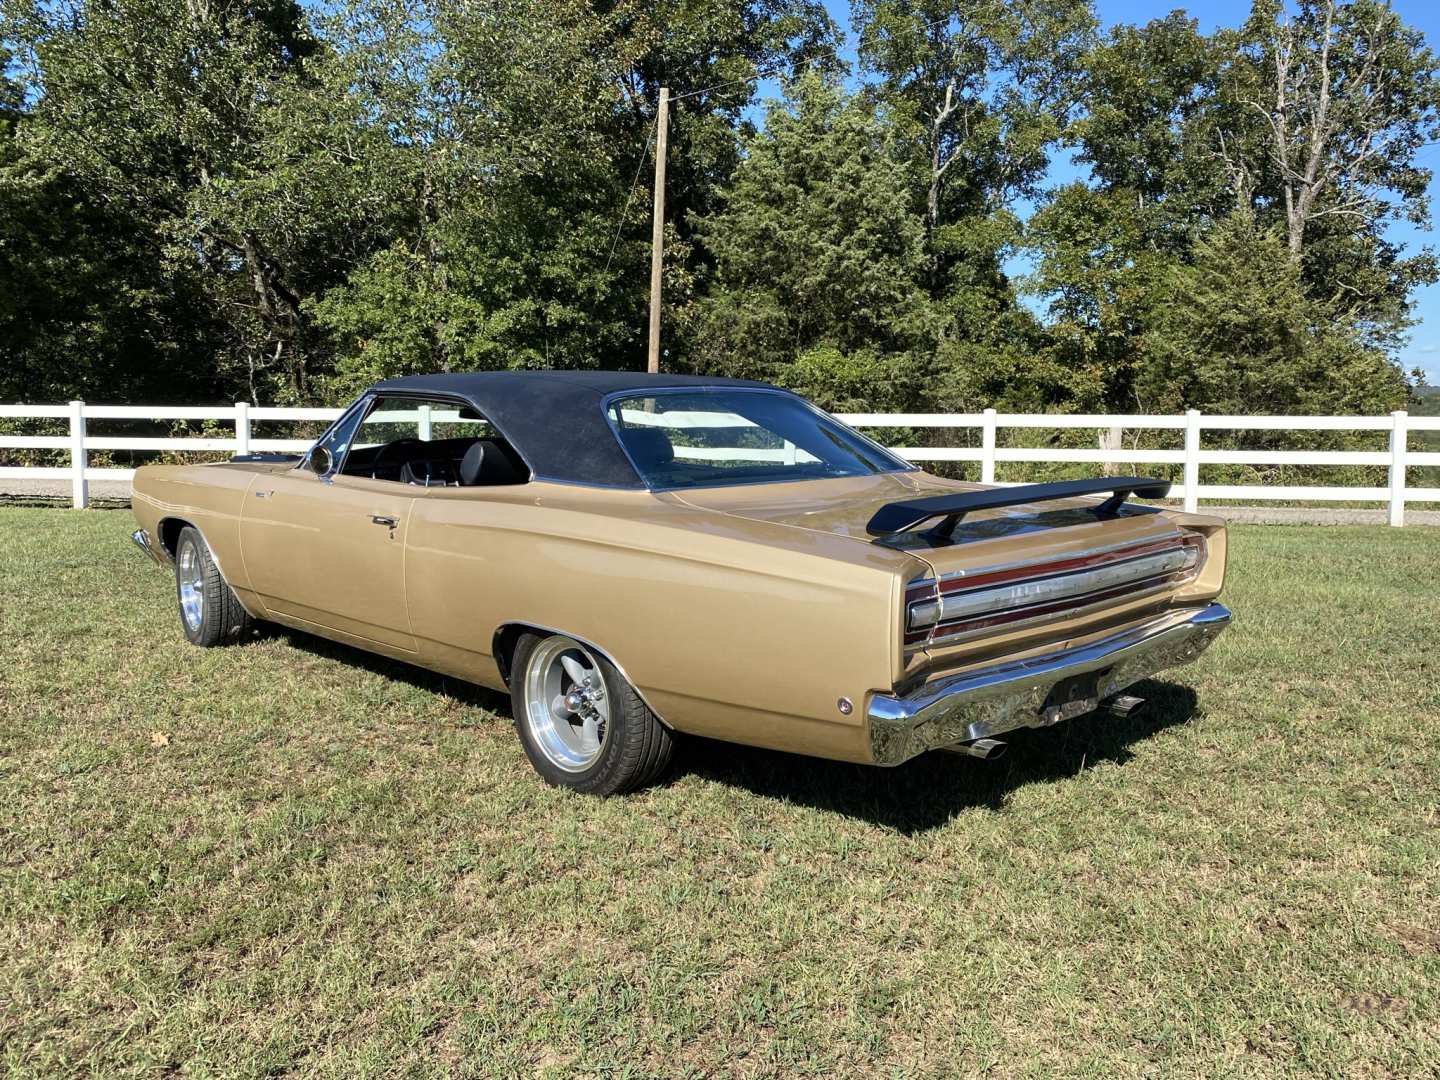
(1192,460)
(79,487)
(1112,439)
(987,448)
(1398,431)
(426,423)
(242,427)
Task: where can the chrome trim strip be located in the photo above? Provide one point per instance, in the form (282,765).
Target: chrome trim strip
(1087,553)
(957,635)
(993,700)
(992,599)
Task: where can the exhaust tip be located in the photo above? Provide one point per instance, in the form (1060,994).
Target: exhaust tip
(1123,705)
(984,749)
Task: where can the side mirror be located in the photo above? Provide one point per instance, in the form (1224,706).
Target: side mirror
(321,461)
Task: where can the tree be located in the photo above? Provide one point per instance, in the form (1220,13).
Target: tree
(86,305)
(1321,114)
(1347,95)
(1282,123)
(516,129)
(1239,334)
(976,94)
(979,89)
(816,253)
(155,111)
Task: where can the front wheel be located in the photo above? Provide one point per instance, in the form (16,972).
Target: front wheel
(582,724)
(210,613)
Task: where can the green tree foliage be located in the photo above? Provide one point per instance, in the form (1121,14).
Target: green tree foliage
(977,94)
(816,253)
(156,114)
(1303,124)
(1240,334)
(86,303)
(207,198)
(384,185)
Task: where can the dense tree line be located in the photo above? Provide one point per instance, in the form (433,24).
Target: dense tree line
(218,199)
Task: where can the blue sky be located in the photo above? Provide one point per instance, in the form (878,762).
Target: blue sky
(1423,350)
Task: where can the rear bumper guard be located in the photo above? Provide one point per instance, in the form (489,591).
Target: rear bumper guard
(989,702)
(142,541)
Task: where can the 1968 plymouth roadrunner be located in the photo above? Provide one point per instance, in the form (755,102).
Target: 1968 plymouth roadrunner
(636,556)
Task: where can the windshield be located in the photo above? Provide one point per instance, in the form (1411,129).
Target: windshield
(682,439)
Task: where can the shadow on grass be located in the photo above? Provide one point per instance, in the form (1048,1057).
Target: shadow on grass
(467,693)
(928,791)
(920,795)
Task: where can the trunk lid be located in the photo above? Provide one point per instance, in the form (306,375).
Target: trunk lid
(1096,572)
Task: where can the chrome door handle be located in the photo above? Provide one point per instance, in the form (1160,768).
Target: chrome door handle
(383,519)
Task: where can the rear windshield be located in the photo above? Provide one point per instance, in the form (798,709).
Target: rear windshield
(715,438)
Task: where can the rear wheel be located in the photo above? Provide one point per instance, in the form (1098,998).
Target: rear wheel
(582,724)
(210,613)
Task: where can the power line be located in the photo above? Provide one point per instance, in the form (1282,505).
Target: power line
(630,195)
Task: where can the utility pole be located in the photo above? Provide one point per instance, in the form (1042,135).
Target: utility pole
(657,235)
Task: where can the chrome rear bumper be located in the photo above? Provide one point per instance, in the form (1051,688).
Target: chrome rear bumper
(991,701)
(142,541)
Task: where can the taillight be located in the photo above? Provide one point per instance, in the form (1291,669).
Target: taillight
(970,601)
(923,613)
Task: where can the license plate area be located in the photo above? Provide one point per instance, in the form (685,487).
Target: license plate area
(1072,697)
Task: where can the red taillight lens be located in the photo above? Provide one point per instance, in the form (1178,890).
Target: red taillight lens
(971,601)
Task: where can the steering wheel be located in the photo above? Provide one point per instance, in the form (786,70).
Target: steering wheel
(385,451)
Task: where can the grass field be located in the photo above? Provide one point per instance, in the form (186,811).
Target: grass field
(288,857)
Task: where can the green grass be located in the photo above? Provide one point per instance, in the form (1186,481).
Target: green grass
(288,857)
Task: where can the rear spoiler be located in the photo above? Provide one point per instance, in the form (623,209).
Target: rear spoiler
(904,516)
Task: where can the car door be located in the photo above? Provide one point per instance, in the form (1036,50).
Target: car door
(329,549)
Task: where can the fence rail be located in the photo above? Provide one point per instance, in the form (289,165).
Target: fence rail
(1396,459)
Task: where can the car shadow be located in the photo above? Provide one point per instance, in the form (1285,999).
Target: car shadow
(467,693)
(927,792)
(921,795)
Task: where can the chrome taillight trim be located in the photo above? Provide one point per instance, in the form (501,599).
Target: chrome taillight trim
(922,613)
(946,611)
(1019,619)
(1051,564)
(1039,590)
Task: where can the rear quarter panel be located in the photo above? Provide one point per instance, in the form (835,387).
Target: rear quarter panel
(740,630)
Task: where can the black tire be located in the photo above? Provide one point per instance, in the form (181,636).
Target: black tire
(218,618)
(636,747)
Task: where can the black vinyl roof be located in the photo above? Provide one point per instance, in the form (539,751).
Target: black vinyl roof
(554,419)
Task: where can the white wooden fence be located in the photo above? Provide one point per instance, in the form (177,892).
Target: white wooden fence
(1396,459)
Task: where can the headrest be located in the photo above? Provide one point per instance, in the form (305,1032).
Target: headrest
(487,463)
(649,446)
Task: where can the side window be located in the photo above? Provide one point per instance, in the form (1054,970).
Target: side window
(337,439)
(412,440)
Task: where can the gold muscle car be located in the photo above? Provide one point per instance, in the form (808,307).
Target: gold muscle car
(635,557)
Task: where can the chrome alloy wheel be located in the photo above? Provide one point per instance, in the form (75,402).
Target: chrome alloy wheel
(191,576)
(566,706)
